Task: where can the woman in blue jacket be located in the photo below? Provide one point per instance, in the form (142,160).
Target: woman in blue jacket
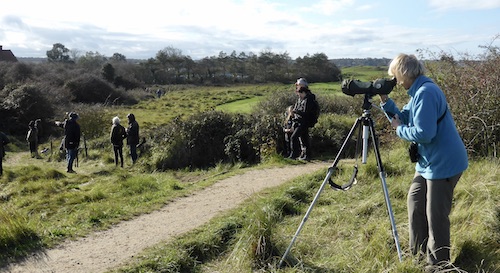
(427,121)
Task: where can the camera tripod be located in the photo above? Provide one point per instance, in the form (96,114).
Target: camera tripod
(366,128)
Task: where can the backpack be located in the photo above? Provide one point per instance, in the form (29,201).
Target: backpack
(314,113)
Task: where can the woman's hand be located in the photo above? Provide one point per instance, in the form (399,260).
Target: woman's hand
(383,98)
(395,121)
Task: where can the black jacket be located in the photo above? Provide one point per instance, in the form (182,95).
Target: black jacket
(303,109)
(117,135)
(71,134)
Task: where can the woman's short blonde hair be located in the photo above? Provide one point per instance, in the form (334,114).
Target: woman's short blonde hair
(406,68)
(116,120)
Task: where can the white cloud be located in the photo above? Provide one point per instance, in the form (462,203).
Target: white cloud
(464,4)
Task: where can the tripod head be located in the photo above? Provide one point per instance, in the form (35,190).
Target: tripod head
(367,104)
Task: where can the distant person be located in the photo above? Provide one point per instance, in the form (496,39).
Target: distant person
(32,139)
(288,128)
(4,140)
(440,160)
(71,139)
(304,117)
(132,136)
(118,134)
(39,129)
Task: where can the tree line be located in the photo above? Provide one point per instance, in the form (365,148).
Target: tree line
(171,66)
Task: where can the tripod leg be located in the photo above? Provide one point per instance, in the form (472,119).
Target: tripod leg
(325,181)
(386,192)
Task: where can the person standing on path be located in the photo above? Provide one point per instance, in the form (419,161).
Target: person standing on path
(71,139)
(303,117)
(132,136)
(118,134)
(32,139)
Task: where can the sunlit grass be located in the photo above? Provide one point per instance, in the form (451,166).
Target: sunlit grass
(345,232)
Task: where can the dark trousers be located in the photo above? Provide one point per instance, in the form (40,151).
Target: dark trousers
(133,152)
(118,151)
(300,141)
(71,156)
(33,148)
(429,207)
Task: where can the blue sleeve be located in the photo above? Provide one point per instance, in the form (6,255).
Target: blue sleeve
(423,107)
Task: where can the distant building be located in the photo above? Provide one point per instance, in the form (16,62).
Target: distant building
(7,55)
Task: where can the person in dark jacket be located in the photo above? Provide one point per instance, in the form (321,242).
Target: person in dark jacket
(302,117)
(132,136)
(32,139)
(4,140)
(118,134)
(71,138)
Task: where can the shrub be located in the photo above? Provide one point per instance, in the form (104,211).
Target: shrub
(472,87)
(195,142)
(22,104)
(91,89)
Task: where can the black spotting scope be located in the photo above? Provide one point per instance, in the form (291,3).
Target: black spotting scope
(377,87)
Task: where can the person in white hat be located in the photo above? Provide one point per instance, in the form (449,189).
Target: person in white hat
(303,116)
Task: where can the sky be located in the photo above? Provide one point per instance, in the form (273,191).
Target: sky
(203,28)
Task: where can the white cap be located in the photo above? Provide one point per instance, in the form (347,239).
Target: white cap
(301,82)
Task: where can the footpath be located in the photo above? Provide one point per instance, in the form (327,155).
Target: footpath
(105,250)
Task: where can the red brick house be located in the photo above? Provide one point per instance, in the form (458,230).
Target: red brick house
(7,55)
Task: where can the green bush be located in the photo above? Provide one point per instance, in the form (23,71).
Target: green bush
(91,89)
(21,104)
(202,140)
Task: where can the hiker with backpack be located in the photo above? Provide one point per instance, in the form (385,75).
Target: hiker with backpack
(306,112)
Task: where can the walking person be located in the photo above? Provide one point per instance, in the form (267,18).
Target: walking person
(441,159)
(71,139)
(132,136)
(4,140)
(303,117)
(32,139)
(118,134)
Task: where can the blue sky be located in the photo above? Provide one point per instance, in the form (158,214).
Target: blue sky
(199,28)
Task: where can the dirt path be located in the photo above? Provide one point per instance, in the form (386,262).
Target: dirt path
(108,249)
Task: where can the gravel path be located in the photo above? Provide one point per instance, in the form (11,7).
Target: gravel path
(109,249)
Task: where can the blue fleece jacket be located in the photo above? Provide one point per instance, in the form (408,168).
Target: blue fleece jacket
(442,151)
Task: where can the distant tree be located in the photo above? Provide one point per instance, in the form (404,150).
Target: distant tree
(58,53)
(92,60)
(108,72)
(317,68)
(117,57)
(172,62)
